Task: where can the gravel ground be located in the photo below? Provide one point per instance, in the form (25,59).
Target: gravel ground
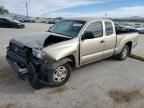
(105,84)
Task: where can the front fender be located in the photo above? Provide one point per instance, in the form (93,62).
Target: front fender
(61,62)
(60,50)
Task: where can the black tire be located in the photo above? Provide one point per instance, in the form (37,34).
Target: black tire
(33,78)
(35,83)
(51,80)
(124,53)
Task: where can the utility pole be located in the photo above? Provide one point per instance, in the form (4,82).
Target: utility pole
(27,10)
(105,15)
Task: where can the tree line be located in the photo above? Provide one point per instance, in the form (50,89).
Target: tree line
(3,10)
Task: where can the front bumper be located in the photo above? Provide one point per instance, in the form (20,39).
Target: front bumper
(23,67)
(21,72)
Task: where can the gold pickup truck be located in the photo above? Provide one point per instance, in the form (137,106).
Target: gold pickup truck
(47,59)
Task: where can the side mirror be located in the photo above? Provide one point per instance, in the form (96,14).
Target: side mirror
(87,35)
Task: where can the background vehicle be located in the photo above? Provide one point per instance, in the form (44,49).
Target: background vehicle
(130,27)
(140,28)
(49,58)
(125,28)
(29,21)
(53,21)
(119,28)
(9,23)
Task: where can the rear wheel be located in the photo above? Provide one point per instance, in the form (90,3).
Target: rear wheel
(124,53)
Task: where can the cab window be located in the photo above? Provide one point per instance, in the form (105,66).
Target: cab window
(109,28)
(96,28)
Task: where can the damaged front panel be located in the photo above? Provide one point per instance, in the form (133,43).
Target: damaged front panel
(40,40)
(53,39)
(57,51)
(53,46)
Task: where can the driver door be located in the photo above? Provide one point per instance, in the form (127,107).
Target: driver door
(91,49)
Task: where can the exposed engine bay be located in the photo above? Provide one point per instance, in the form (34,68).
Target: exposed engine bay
(52,39)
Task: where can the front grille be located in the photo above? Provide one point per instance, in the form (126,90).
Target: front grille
(22,52)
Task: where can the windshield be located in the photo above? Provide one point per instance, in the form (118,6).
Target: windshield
(69,28)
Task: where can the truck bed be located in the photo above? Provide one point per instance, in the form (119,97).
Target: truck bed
(131,36)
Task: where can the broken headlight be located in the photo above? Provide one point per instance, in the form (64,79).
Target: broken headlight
(38,53)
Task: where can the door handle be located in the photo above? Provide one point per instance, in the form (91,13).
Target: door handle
(102,41)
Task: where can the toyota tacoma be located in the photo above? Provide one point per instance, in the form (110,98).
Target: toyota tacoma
(47,58)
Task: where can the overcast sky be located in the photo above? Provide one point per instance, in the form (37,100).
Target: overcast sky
(67,8)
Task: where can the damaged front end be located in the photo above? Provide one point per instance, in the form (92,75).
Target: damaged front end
(26,64)
(36,60)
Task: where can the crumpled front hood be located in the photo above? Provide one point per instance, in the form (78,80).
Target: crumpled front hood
(33,40)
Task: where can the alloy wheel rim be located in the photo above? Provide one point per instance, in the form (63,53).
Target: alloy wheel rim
(125,52)
(59,74)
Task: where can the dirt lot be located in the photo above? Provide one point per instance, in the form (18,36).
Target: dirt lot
(106,84)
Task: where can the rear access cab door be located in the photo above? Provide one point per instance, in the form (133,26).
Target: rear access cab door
(109,38)
(92,47)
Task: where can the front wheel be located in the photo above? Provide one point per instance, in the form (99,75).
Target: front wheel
(59,75)
(124,53)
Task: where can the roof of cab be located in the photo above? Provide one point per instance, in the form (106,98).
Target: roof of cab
(88,19)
